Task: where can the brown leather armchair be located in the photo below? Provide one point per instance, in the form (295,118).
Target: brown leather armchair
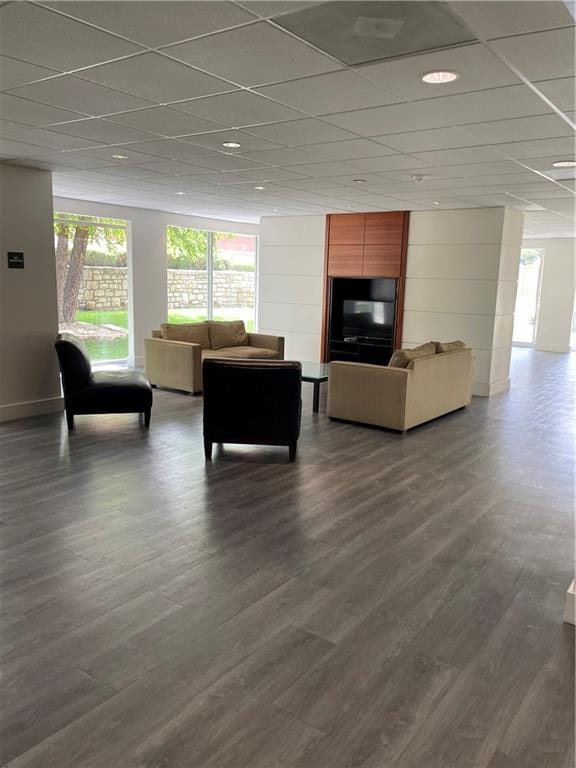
(257,402)
(102,391)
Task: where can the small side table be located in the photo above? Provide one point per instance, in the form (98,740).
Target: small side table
(315,373)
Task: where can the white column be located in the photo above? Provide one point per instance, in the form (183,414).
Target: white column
(461,284)
(291,269)
(29,380)
(556,305)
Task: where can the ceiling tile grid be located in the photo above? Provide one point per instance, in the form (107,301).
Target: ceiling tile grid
(325,99)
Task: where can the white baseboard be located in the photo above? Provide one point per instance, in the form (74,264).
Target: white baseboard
(482,389)
(553,348)
(31,408)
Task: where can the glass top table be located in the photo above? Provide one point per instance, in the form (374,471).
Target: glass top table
(315,373)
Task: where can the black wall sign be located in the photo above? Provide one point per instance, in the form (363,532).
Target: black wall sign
(15,260)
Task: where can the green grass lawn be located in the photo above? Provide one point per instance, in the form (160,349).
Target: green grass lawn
(117,349)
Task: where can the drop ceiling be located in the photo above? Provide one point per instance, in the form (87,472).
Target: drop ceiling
(325,99)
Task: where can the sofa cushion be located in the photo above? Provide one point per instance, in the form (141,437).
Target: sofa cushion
(401,358)
(241,353)
(449,346)
(227,334)
(193,333)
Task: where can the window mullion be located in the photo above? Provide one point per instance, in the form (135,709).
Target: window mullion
(209,274)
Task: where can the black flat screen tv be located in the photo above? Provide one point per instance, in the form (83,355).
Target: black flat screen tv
(367,319)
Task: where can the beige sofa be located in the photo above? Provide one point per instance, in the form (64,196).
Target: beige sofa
(400,398)
(173,355)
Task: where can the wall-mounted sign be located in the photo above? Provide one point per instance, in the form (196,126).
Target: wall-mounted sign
(15,260)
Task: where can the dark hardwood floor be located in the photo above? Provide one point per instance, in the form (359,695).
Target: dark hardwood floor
(386,601)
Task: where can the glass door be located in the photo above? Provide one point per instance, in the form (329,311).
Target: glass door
(527,296)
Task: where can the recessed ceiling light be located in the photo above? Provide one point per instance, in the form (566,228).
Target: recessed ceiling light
(564,164)
(436,202)
(231,144)
(359,181)
(120,157)
(439,77)
(259,188)
(418,178)
(180,193)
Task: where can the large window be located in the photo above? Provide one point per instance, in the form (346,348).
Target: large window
(211,275)
(92,279)
(527,296)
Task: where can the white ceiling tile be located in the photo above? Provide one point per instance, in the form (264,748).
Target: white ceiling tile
(164,121)
(477,66)
(155,77)
(512,17)
(387,163)
(455,171)
(299,132)
(238,109)
(436,138)
(459,156)
(130,156)
(8,128)
(157,23)
(351,148)
(132,172)
(264,173)
(100,130)
(561,92)
(216,139)
(48,138)
(256,54)
(493,104)
(14,73)
(282,156)
(541,55)
(268,8)
(170,149)
(539,148)
(335,92)
(223,162)
(520,129)
(396,118)
(53,40)
(327,169)
(30,113)
(70,92)
(21,149)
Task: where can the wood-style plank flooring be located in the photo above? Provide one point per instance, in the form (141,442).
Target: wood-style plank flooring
(387,601)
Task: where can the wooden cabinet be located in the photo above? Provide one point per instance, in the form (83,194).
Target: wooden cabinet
(366,244)
(346,229)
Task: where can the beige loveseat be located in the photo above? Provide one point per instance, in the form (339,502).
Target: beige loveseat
(400,398)
(173,355)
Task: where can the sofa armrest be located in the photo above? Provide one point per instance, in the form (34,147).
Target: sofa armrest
(173,364)
(370,394)
(265,341)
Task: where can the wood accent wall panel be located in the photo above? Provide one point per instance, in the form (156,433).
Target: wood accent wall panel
(345,260)
(346,229)
(384,228)
(381,261)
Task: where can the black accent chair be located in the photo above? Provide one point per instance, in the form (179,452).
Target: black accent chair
(257,402)
(101,391)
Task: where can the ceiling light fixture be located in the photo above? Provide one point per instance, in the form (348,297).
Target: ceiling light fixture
(259,188)
(231,144)
(436,202)
(359,181)
(564,164)
(419,179)
(120,157)
(439,77)
(180,193)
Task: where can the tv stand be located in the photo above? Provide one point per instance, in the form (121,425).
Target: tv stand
(361,350)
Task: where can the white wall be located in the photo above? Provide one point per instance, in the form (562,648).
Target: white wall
(29,381)
(291,268)
(147,284)
(461,277)
(557,284)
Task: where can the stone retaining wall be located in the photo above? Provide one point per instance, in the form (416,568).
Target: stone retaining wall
(105,288)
